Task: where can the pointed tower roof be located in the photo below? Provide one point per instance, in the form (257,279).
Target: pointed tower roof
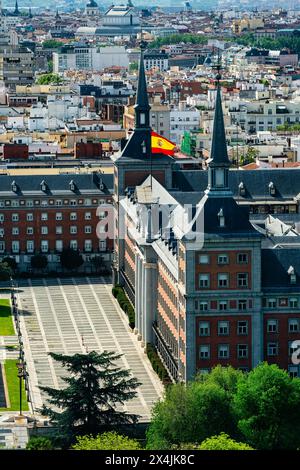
(17,11)
(142,102)
(218,154)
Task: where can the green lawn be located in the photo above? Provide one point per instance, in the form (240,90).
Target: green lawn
(6,322)
(12,380)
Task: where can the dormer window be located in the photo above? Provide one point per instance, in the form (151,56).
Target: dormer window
(72,186)
(14,187)
(144,148)
(272,188)
(291,273)
(221,218)
(44,186)
(242,189)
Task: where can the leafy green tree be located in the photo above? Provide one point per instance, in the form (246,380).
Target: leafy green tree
(39,443)
(223,442)
(225,377)
(178,38)
(95,387)
(267,405)
(49,79)
(52,44)
(71,259)
(189,414)
(106,441)
(39,262)
(133,66)
(5,272)
(11,262)
(250,156)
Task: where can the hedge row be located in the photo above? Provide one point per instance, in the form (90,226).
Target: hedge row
(157,365)
(119,294)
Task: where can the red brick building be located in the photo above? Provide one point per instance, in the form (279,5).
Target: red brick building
(45,214)
(208,286)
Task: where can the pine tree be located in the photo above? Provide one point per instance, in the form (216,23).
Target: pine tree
(95,388)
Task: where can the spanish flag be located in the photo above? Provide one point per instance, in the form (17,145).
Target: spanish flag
(160,144)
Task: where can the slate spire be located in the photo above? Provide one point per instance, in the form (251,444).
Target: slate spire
(218,154)
(142,106)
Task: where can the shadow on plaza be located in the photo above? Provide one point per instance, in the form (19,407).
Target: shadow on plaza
(64,280)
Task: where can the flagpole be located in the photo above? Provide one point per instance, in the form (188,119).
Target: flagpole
(150,164)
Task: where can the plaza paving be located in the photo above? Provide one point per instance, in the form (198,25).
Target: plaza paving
(72,315)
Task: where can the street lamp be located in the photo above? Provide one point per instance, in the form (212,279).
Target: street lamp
(20,366)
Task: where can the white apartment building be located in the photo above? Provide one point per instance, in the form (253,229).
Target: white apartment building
(264,115)
(183,119)
(160,118)
(84,57)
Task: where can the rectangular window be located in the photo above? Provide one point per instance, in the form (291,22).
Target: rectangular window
(242,304)
(242,327)
(222,259)
(242,351)
(87,229)
(88,245)
(1,217)
(223,328)
(204,280)
(293,325)
(102,245)
(73,216)
(271,303)
(223,305)
(204,328)
(15,246)
(44,246)
(272,349)
(272,326)
(204,351)
(58,202)
(15,231)
(203,306)
(74,244)
(15,217)
(44,230)
(59,245)
(203,259)
(58,216)
(294,303)
(87,216)
(73,229)
(29,230)
(223,280)
(73,202)
(30,246)
(242,279)
(294,371)
(2,247)
(223,351)
(293,347)
(44,216)
(242,258)
(58,230)
(29,217)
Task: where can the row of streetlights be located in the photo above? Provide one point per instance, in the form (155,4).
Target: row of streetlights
(21,364)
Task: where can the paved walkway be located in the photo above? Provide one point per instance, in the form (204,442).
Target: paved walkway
(69,315)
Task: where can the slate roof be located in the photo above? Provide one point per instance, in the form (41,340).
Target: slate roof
(86,183)
(274,266)
(286,182)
